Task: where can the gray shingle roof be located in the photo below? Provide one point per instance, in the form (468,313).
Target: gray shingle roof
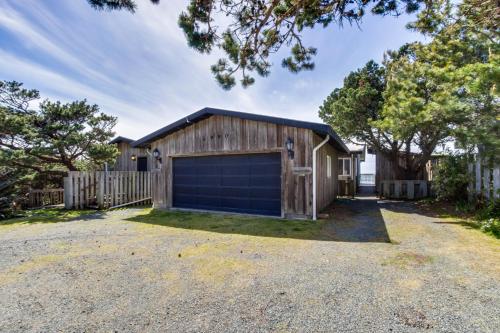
(119,139)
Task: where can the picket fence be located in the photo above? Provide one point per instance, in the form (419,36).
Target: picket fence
(484,179)
(45,197)
(106,189)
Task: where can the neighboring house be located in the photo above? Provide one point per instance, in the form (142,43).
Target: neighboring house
(240,162)
(130,158)
(350,169)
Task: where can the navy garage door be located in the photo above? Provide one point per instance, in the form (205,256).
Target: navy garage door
(234,183)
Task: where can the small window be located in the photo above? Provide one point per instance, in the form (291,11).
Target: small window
(142,163)
(328,166)
(345,166)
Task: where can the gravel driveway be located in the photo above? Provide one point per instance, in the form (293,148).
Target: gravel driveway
(385,267)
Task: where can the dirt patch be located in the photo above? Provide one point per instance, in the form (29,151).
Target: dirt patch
(413,318)
(408,259)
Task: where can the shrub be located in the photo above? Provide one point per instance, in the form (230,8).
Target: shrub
(491,225)
(450,182)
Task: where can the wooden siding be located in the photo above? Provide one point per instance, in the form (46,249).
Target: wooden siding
(231,135)
(124,160)
(326,187)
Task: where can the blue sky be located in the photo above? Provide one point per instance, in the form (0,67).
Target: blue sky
(139,68)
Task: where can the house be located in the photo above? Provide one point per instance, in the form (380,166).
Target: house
(240,162)
(130,158)
(349,169)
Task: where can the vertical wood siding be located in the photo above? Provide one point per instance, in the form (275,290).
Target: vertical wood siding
(231,135)
(124,160)
(326,187)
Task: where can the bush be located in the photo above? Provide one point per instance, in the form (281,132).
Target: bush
(491,225)
(489,218)
(451,180)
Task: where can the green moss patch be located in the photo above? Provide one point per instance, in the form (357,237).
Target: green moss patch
(51,215)
(235,224)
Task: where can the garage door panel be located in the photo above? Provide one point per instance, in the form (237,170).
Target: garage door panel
(208,191)
(208,200)
(264,181)
(186,170)
(234,170)
(265,204)
(207,170)
(183,200)
(235,202)
(235,183)
(181,189)
(265,193)
(207,180)
(183,180)
(265,169)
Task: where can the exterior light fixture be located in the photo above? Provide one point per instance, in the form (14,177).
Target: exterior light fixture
(133,157)
(289,147)
(156,153)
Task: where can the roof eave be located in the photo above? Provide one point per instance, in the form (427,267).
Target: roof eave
(119,139)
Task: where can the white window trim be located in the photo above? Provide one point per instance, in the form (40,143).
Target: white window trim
(328,166)
(341,172)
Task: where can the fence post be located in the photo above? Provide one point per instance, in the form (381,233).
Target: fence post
(67,193)
(470,172)
(496,182)
(134,192)
(487,182)
(478,175)
(98,188)
(423,188)
(410,188)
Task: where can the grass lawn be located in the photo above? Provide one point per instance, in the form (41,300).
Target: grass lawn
(49,215)
(234,224)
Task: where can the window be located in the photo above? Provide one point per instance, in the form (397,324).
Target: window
(345,166)
(328,166)
(142,163)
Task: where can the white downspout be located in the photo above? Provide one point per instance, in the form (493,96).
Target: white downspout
(314,174)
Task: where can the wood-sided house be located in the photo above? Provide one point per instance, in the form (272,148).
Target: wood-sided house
(239,162)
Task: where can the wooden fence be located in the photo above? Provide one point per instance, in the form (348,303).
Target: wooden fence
(484,179)
(404,189)
(106,189)
(45,197)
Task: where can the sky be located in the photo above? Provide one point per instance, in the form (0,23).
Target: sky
(139,67)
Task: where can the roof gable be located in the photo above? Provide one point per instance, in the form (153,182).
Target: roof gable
(318,128)
(119,139)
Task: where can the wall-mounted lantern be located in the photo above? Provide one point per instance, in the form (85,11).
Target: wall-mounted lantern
(289,147)
(133,158)
(156,155)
